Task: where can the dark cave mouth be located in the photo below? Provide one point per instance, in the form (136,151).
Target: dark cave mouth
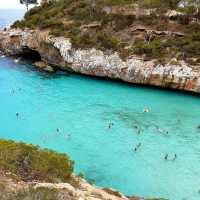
(30,55)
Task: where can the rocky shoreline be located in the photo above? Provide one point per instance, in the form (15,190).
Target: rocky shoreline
(13,189)
(59,53)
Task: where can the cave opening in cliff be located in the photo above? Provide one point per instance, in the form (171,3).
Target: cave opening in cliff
(30,54)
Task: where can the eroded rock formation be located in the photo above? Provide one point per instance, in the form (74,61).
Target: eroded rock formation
(58,52)
(12,188)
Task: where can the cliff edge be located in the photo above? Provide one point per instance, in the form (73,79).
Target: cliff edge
(60,53)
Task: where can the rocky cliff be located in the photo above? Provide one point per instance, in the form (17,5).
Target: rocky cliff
(58,52)
(12,188)
(28,172)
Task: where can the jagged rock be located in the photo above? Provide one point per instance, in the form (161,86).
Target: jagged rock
(58,51)
(91,25)
(48,68)
(173,14)
(167,33)
(40,65)
(17,189)
(43,66)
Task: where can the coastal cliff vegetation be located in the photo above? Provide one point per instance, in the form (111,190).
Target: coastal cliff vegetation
(30,173)
(29,162)
(152,29)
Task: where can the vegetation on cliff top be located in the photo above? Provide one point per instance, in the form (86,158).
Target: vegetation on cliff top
(126,26)
(29,162)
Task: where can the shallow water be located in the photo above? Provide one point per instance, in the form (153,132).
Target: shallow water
(82,108)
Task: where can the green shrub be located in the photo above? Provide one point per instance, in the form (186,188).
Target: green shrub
(107,41)
(120,21)
(53,23)
(31,163)
(151,49)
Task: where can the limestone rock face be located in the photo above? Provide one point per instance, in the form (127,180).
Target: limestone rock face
(16,189)
(43,66)
(58,51)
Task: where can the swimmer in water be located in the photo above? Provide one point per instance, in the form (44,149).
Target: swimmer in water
(175,156)
(137,147)
(160,130)
(166,156)
(110,125)
(12,91)
(136,127)
(17,60)
(17,114)
(57,130)
(146,110)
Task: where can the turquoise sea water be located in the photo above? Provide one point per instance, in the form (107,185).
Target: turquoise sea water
(82,109)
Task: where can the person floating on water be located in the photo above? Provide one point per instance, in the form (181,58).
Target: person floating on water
(12,91)
(110,125)
(136,127)
(175,156)
(160,130)
(146,110)
(166,156)
(57,130)
(17,60)
(17,114)
(137,147)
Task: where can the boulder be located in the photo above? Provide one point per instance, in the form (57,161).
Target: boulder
(43,66)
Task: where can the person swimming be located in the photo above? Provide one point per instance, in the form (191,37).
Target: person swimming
(57,130)
(136,127)
(110,125)
(17,114)
(17,60)
(12,91)
(137,147)
(175,156)
(166,156)
(160,130)
(145,110)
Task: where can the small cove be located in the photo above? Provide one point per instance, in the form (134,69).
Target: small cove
(81,108)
